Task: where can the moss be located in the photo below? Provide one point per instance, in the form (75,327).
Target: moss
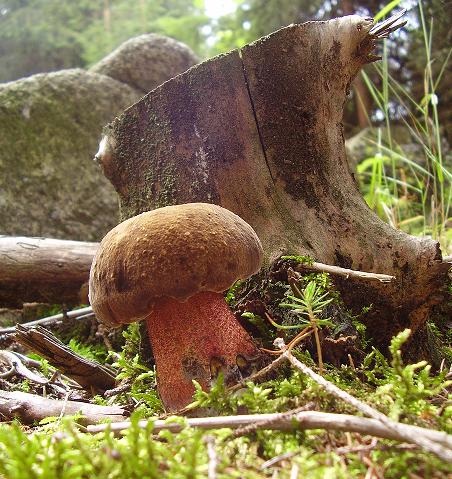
(51,125)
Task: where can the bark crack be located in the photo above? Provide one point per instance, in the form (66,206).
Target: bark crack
(261,140)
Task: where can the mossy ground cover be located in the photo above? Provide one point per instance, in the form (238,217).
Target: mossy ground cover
(410,393)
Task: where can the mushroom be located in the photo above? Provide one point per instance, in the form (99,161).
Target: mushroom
(170,267)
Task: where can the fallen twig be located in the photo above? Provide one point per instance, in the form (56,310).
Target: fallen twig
(258,375)
(75,314)
(30,408)
(347,273)
(18,367)
(420,439)
(243,431)
(274,460)
(212,455)
(289,422)
(374,447)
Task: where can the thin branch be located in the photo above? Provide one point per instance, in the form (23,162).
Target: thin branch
(30,408)
(212,455)
(259,375)
(294,471)
(75,313)
(274,460)
(11,371)
(374,447)
(243,431)
(421,440)
(18,367)
(347,273)
(289,422)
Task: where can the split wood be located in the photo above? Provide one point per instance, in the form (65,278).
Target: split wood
(44,270)
(92,376)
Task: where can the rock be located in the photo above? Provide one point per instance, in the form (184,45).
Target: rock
(51,125)
(50,128)
(146,61)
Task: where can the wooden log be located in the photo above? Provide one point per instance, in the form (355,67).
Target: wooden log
(259,131)
(43,270)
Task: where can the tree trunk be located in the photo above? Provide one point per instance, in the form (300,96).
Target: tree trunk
(44,270)
(259,132)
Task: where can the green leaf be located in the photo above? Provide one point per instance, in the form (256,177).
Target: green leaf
(386,9)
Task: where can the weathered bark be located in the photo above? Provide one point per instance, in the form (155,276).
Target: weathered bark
(259,132)
(43,270)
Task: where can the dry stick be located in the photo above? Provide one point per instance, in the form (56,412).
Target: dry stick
(18,367)
(271,462)
(294,471)
(421,440)
(374,447)
(243,431)
(212,455)
(30,408)
(75,313)
(288,422)
(262,373)
(347,273)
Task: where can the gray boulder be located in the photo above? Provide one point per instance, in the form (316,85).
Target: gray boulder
(50,127)
(146,61)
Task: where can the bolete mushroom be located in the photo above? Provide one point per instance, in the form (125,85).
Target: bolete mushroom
(170,267)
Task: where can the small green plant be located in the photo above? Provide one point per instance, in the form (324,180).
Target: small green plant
(217,398)
(299,259)
(413,194)
(142,379)
(407,389)
(232,291)
(310,303)
(95,352)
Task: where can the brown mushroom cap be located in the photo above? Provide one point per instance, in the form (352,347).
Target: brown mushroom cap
(175,251)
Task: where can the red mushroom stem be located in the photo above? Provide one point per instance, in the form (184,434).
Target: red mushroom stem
(195,339)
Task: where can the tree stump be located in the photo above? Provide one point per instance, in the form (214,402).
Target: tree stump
(259,131)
